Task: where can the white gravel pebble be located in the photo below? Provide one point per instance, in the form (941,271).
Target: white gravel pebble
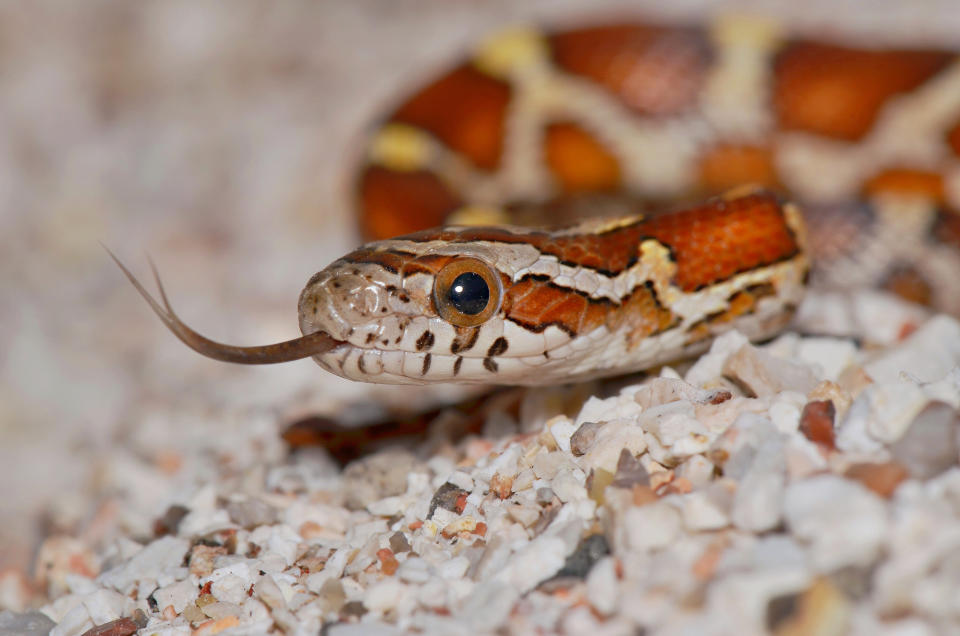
(178,594)
(650,527)
(603,586)
(843,522)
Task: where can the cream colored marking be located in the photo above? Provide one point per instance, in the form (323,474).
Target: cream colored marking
(402,148)
(511,52)
(737,92)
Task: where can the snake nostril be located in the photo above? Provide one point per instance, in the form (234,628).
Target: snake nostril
(357,298)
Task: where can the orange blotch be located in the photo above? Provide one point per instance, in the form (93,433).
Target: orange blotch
(838,92)
(909,284)
(947,228)
(388,260)
(653,70)
(643,315)
(953,138)
(578,161)
(716,240)
(816,423)
(882,479)
(536,302)
(709,243)
(388,562)
(927,184)
(465,109)
(394,203)
(728,166)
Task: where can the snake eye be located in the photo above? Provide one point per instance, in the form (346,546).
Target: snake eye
(467,292)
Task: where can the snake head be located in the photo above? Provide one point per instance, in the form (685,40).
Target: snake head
(503,305)
(412,310)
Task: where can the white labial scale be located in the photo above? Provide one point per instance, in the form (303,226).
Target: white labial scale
(441,367)
(413,365)
(489,332)
(532,361)
(392,362)
(522,341)
(413,332)
(372,362)
(555,337)
(510,368)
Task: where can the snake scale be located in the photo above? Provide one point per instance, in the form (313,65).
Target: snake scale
(671,166)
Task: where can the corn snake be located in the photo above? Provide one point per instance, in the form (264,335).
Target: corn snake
(545,128)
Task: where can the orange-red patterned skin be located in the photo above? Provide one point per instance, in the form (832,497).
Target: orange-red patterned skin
(578,161)
(947,227)
(465,109)
(400,202)
(709,243)
(905,181)
(953,138)
(910,284)
(728,166)
(839,92)
(652,70)
(536,303)
(720,238)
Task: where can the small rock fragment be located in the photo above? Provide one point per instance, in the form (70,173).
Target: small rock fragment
(583,438)
(448,497)
(843,522)
(816,423)
(882,479)
(26,624)
(170,521)
(378,476)
(119,627)
(388,562)
(398,543)
(630,471)
(202,558)
(821,609)
(603,586)
(501,486)
(928,354)
(931,444)
(252,512)
(651,527)
(590,550)
(764,374)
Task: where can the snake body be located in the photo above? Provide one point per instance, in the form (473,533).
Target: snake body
(614,121)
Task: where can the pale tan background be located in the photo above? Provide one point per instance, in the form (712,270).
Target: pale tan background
(217,137)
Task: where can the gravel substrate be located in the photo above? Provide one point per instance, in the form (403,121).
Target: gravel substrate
(809,485)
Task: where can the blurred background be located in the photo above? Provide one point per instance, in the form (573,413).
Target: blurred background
(218,138)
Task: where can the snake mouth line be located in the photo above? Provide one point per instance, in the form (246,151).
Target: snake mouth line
(306,346)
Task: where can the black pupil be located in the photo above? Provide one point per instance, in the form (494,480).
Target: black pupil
(469,293)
